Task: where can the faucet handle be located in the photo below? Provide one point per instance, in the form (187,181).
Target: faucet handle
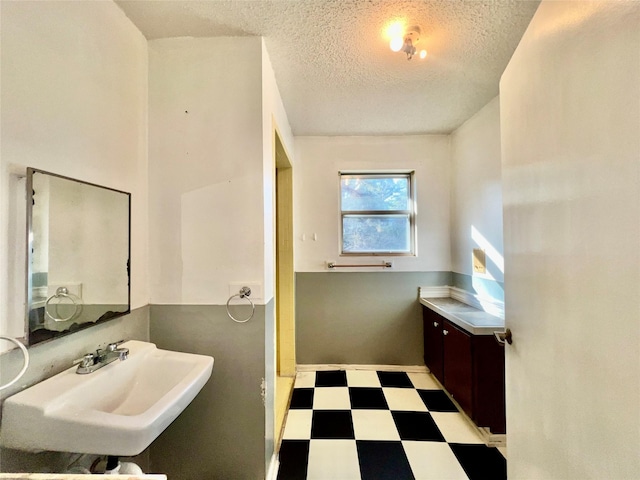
(85,361)
(113,346)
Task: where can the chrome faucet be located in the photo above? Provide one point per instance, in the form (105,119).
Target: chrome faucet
(94,361)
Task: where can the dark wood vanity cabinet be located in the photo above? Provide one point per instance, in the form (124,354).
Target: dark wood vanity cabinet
(433,355)
(470,367)
(458,365)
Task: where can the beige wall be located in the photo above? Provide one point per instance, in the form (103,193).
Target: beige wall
(274,117)
(205,168)
(317,195)
(570,116)
(476,194)
(74,96)
(211,182)
(74,102)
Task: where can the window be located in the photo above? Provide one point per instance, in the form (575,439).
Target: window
(377,211)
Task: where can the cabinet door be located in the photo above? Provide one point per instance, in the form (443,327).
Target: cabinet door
(433,342)
(488,383)
(458,379)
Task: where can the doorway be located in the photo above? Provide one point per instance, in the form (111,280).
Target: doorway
(285,284)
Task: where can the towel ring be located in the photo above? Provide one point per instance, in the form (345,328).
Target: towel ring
(61,292)
(25,364)
(243,293)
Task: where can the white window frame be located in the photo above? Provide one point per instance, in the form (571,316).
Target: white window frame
(411,212)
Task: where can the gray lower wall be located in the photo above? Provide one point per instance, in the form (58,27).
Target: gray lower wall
(226,432)
(270,381)
(52,357)
(221,435)
(369,318)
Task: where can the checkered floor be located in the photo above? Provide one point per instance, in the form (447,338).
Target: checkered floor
(366,425)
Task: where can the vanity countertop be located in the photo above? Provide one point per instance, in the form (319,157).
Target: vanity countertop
(471,319)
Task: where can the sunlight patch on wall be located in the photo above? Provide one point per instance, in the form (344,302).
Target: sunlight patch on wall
(485,284)
(490,251)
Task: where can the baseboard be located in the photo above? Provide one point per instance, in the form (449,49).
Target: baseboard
(343,366)
(274,465)
(490,439)
(493,439)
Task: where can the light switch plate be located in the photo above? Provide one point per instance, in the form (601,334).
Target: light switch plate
(479,261)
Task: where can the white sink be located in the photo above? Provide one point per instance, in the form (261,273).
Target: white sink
(116,410)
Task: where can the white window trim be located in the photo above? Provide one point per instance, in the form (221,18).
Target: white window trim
(411,212)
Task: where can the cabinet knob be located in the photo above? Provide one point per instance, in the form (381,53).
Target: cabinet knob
(435,324)
(445,332)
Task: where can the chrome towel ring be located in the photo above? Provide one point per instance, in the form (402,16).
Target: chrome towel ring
(25,364)
(61,292)
(243,293)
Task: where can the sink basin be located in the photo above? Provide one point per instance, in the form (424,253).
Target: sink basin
(117,410)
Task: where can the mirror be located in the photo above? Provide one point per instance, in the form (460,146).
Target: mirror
(78,253)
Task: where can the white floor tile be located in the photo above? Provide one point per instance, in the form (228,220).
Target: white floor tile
(362,378)
(423,381)
(298,426)
(455,428)
(305,380)
(331,398)
(333,459)
(433,461)
(374,425)
(404,399)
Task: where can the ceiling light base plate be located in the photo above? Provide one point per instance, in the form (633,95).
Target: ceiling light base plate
(412,33)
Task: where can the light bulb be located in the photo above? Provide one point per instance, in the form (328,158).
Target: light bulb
(396,44)
(423,54)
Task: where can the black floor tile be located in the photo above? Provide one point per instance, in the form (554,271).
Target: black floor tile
(335,424)
(395,379)
(367,398)
(417,426)
(302,398)
(480,462)
(383,461)
(294,457)
(333,378)
(437,401)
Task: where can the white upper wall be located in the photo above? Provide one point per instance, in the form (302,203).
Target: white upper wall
(74,102)
(570,112)
(80,109)
(476,193)
(274,117)
(206,178)
(317,196)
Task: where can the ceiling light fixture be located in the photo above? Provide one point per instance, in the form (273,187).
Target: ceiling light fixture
(406,42)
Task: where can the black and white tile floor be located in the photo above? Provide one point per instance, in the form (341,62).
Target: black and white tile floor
(366,425)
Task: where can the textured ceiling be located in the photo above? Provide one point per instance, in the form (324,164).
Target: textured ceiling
(333,65)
